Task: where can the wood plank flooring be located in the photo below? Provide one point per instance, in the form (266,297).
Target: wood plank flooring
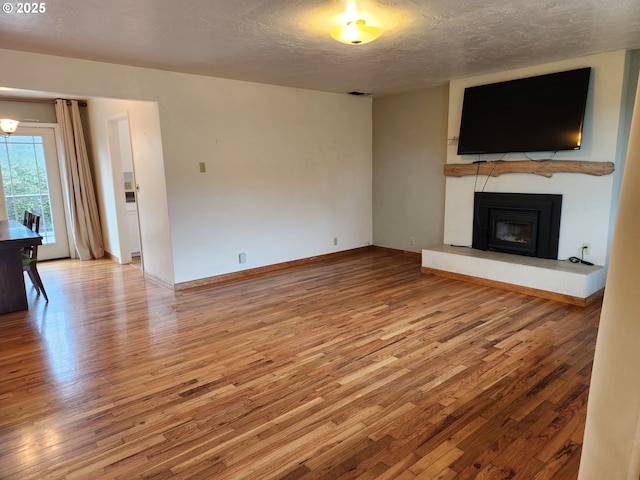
(357,368)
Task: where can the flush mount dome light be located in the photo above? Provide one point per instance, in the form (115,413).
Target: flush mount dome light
(356,33)
(8,126)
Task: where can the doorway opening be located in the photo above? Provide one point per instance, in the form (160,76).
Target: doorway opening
(120,151)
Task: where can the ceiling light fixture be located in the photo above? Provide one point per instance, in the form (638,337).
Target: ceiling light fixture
(356,32)
(8,126)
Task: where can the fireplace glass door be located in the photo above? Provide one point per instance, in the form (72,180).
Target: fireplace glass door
(517,223)
(513,231)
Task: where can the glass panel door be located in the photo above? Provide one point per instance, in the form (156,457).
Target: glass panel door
(31,181)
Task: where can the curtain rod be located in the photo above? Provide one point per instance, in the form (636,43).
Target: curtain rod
(37,100)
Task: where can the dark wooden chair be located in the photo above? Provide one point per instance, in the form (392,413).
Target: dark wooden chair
(30,254)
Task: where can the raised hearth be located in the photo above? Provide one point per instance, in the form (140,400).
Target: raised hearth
(560,280)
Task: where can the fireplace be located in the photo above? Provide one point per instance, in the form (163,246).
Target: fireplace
(518,223)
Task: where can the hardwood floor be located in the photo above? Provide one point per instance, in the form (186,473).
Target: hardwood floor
(358,368)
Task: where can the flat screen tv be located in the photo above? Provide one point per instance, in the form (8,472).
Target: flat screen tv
(534,114)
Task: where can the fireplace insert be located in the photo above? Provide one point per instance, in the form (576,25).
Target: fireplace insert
(518,223)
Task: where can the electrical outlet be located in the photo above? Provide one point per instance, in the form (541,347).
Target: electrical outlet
(335,240)
(203,167)
(242,258)
(412,240)
(584,248)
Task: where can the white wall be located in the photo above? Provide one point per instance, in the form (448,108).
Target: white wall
(409,150)
(288,170)
(587,200)
(105,172)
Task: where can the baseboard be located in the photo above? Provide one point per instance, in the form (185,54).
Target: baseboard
(260,271)
(157,280)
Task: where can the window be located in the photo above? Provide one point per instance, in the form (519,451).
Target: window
(24,178)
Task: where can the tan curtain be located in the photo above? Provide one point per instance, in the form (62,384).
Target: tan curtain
(85,219)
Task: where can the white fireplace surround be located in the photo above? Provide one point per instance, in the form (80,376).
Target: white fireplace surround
(589,202)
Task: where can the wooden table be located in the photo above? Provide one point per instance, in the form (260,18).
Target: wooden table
(13,238)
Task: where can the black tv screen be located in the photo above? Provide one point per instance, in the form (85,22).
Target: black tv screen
(534,114)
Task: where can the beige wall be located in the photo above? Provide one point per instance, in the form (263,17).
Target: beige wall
(288,171)
(409,151)
(612,436)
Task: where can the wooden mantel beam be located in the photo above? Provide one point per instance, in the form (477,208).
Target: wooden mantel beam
(546,168)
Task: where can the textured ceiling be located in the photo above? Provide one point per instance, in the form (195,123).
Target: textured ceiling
(287,42)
